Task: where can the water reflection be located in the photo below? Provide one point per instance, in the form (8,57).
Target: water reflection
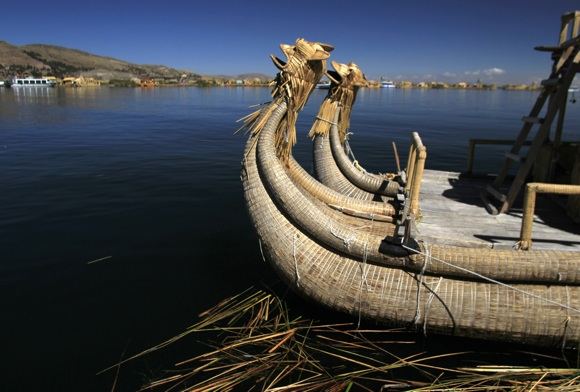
(151,178)
(32,94)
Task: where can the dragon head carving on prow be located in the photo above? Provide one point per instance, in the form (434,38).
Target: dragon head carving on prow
(345,80)
(304,66)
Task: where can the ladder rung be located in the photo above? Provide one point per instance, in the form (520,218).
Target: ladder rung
(533,120)
(550,82)
(495,193)
(514,157)
(571,14)
(548,48)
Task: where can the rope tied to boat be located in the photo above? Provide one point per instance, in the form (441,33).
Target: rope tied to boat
(257,105)
(364,273)
(261,250)
(347,146)
(491,280)
(325,120)
(567,321)
(345,240)
(428,304)
(350,153)
(295,260)
(420,283)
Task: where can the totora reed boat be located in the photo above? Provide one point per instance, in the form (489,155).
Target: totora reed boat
(365,256)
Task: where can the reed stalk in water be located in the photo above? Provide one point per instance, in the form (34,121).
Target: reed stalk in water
(256,344)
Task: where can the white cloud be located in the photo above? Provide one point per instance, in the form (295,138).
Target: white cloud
(493,71)
(449,74)
(474,73)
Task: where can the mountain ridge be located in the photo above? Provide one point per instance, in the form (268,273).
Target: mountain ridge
(59,61)
(38,59)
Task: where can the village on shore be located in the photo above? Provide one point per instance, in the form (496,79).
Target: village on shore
(186,80)
(76,68)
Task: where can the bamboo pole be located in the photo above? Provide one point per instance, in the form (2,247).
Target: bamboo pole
(397,161)
(419,167)
(532,188)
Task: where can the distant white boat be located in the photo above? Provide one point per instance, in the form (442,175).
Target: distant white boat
(325,84)
(387,84)
(32,82)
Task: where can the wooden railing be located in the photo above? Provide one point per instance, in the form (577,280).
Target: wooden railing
(532,189)
(487,142)
(415,168)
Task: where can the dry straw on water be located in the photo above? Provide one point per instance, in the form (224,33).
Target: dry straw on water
(255,344)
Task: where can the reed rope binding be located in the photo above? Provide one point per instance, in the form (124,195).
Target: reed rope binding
(488,279)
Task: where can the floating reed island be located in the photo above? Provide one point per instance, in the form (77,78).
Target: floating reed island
(416,248)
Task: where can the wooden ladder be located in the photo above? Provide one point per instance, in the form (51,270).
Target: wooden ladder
(554,91)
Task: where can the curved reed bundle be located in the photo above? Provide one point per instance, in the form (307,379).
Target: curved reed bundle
(301,74)
(346,79)
(332,165)
(305,65)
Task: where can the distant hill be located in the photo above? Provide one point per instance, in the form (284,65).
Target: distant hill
(255,76)
(245,76)
(39,59)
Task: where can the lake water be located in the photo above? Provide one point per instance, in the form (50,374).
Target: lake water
(149,180)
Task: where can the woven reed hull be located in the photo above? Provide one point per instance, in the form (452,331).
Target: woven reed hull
(328,173)
(434,303)
(333,168)
(365,181)
(330,196)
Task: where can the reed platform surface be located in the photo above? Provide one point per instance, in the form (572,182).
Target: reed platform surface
(453,213)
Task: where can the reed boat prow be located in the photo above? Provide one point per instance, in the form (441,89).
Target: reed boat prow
(522,312)
(330,131)
(411,267)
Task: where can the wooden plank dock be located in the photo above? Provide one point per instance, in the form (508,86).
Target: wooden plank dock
(453,213)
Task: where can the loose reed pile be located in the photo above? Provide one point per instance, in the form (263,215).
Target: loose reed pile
(256,344)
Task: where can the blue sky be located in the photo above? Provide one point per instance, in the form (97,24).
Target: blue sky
(445,40)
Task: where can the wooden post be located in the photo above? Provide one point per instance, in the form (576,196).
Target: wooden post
(470,156)
(410,167)
(420,157)
(416,189)
(564,29)
(576,24)
(525,242)
(397,161)
(532,188)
